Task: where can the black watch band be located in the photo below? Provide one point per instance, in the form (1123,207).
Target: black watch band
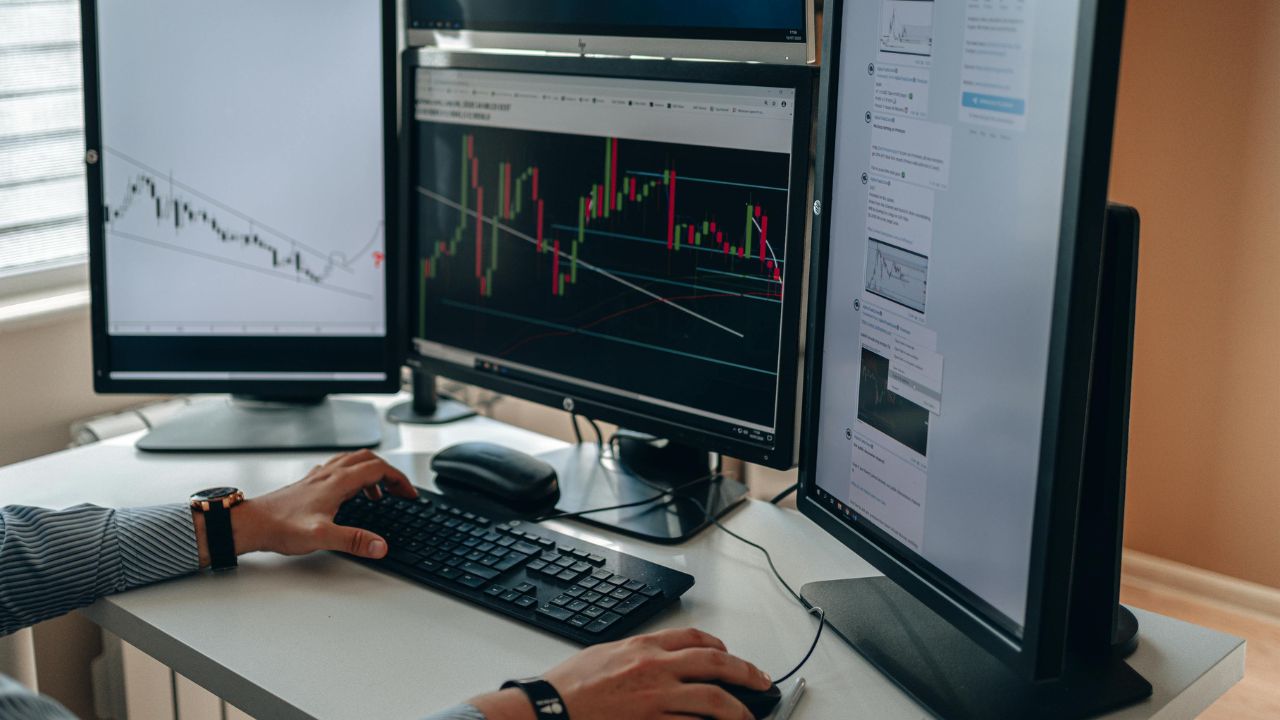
(547,703)
(222,544)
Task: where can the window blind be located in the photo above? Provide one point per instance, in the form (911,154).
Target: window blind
(42,190)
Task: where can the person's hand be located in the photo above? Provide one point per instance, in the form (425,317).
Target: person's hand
(298,519)
(661,675)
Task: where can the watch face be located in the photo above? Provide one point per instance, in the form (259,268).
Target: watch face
(214,493)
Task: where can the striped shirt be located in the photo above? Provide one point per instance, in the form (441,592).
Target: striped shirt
(53,562)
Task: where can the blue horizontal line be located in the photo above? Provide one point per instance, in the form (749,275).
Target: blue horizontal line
(692,286)
(650,241)
(576,331)
(740,275)
(686,178)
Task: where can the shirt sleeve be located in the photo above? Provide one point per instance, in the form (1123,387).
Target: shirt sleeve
(19,703)
(458,712)
(53,562)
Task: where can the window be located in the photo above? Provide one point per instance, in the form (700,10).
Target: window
(42,191)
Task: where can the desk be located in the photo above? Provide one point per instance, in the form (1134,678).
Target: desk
(324,637)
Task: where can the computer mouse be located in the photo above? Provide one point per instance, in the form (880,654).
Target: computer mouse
(520,482)
(759,702)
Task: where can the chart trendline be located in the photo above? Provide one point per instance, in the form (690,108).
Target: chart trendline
(331,257)
(233,263)
(567,256)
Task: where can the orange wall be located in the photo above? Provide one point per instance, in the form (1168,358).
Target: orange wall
(1198,152)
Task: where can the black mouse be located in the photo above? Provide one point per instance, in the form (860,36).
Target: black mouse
(759,702)
(517,481)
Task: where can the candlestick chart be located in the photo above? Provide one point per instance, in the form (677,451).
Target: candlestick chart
(654,268)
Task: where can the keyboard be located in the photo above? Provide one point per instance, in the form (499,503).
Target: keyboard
(571,588)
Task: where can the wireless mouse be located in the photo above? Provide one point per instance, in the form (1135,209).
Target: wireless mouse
(759,702)
(520,482)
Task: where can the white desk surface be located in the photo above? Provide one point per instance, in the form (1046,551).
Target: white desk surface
(324,637)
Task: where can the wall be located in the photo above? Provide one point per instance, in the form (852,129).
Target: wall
(45,385)
(1198,152)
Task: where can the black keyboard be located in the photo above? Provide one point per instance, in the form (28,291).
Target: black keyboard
(574,589)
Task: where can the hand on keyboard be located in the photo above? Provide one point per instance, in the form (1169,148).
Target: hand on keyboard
(298,519)
(645,677)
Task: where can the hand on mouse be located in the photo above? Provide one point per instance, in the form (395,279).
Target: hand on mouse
(642,678)
(298,519)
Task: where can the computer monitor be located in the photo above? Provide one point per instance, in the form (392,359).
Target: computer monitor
(772,31)
(238,156)
(964,168)
(621,239)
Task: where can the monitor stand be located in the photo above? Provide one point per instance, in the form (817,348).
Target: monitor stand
(944,669)
(427,407)
(592,477)
(245,424)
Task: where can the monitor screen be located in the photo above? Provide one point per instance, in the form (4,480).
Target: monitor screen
(625,240)
(242,206)
(759,20)
(949,169)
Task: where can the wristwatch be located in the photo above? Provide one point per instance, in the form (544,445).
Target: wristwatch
(547,702)
(215,504)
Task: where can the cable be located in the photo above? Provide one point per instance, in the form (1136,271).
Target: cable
(577,431)
(822,614)
(822,622)
(599,435)
(662,495)
(784,494)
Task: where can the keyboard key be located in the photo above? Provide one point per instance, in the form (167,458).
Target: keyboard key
(428,565)
(593,612)
(525,587)
(555,613)
(602,575)
(650,591)
(474,556)
(511,596)
(545,542)
(575,591)
(588,582)
(472,581)
(580,621)
(480,571)
(597,627)
(565,562)
(401,555)
(576,606)
(610,618)
(621,594)
(506,541)
(508,563)
(627,606)
(580,567)
(561,600)
(488,561)
(569,576)
(526,601)
(525,548)
(607,603)
(634,585)
(495,590)
(449,573)
(537,565)
(591,596)
(485,547)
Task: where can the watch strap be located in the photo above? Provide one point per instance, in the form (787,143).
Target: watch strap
(217,530)
(547,702)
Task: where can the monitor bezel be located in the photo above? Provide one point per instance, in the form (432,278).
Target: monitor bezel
(1039,653)
(392,355)
(658,422)
(704,45)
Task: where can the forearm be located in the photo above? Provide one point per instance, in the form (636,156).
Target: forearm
(53,562)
